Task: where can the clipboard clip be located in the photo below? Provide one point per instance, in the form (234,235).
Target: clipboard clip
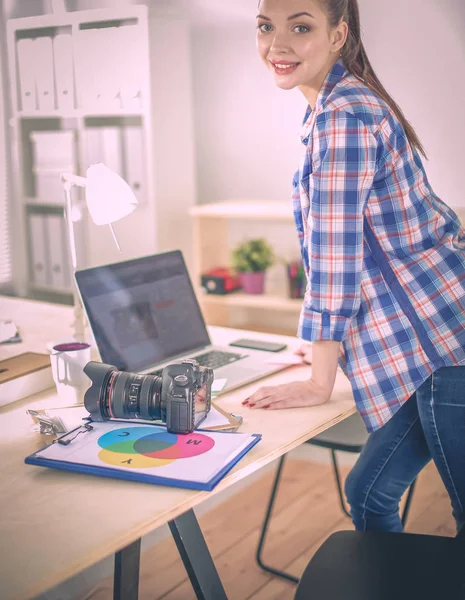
(65,442)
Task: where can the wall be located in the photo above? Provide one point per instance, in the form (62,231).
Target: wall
(173,132)
(418,51)
(247,129)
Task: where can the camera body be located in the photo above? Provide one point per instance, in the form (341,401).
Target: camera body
(180,397)
(182,391)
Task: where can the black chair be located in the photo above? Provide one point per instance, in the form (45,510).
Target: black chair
(358,565)
(350,435)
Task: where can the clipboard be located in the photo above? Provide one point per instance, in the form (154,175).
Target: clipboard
(147,453)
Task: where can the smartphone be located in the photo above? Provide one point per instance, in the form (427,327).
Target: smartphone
(259,345)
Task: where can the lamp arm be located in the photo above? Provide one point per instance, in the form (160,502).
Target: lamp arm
(69,222)
(73,179)
(78,323)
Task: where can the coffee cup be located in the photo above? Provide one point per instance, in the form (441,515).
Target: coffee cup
(68,361)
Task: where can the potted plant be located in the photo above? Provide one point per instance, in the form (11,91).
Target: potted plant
(251,259)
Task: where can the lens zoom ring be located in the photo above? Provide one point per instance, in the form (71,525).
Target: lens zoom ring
(144,398)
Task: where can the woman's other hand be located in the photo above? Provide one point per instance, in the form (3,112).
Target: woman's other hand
(288,395)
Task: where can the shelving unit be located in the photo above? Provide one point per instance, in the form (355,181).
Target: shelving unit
(273,311)
(86,72)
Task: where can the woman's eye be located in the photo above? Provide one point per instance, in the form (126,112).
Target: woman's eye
(264,27)
(301,29)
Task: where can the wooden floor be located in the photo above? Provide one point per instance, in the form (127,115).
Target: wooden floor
(306,512)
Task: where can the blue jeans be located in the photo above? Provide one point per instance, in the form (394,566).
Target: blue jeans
(430,425)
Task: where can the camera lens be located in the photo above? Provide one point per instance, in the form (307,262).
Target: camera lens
(120,395)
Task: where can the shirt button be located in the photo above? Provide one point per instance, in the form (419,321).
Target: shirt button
(305,140)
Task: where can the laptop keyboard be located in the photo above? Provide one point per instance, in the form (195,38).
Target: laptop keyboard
(213,359)
(216,358)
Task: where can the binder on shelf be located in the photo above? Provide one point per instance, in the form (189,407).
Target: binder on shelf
(44,74)
(104,144)
(93,146)
(112,149)
(53,149)
(108,43)
(48,185)
(134,161)
(38,250)
(64,71)
(130,67)
(57,250)
(27,84)
(147,453)
(87,56)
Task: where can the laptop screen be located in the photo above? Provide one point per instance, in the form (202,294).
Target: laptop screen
(142,311)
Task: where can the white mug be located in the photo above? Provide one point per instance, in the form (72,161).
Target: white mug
(68,361)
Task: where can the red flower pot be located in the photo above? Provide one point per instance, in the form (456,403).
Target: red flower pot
(253,283)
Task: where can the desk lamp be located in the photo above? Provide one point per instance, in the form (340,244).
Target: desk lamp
(108,199)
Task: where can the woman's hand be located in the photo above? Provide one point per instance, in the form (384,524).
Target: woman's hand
(305,351)
(288,395)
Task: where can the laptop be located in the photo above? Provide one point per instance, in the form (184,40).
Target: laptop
(144,315)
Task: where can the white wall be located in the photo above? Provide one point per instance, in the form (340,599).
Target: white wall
(418,50)
(172,133)
(247,129)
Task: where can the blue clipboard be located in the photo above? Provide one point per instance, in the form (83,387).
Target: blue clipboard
(104,470)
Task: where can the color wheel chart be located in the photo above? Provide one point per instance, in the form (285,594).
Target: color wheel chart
(148,447)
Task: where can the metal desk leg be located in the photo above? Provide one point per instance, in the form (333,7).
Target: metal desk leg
(126,579)
(196,557)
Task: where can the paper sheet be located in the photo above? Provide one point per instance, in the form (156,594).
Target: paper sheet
(8,332)
(214,419)
(218,385)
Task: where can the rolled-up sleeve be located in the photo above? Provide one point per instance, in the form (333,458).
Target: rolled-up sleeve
(338,184)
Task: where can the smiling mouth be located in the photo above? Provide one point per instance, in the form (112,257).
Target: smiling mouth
(284,68)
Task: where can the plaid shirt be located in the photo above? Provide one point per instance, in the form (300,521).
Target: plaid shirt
(384,256)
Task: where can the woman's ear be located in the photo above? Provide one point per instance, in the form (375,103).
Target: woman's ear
(340,34)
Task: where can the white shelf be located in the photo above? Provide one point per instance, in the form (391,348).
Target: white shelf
(239,299)
(78,113)
(271,210)
(127,110)
(50,289)
(38,203)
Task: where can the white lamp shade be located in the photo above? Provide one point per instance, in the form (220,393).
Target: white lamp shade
(109,198)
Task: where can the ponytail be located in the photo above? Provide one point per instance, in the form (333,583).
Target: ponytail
(356,61)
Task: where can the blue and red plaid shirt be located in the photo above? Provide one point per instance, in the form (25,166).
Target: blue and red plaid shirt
(384,256)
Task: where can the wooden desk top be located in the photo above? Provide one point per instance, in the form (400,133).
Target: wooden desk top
(53,524)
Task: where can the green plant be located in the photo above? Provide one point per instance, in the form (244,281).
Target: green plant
(253,256)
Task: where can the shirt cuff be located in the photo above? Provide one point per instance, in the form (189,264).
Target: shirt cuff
(319,326)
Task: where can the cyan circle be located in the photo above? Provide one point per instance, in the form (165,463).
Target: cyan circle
(129,434)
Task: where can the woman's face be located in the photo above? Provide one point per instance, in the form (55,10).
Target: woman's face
(295,42)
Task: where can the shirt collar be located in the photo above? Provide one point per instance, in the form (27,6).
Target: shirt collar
(337,72)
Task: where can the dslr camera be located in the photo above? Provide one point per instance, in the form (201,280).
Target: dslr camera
(180,397)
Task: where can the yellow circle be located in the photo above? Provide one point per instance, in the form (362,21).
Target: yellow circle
(132,461)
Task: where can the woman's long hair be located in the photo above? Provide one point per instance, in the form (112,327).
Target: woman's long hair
(356,60)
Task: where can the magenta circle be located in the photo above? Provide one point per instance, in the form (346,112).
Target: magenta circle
(185,446)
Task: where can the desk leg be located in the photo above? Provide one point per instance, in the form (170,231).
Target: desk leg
(126,579)
(196,557)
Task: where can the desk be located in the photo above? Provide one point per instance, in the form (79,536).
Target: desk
(55,524)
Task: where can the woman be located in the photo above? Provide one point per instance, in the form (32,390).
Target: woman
(385,262)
